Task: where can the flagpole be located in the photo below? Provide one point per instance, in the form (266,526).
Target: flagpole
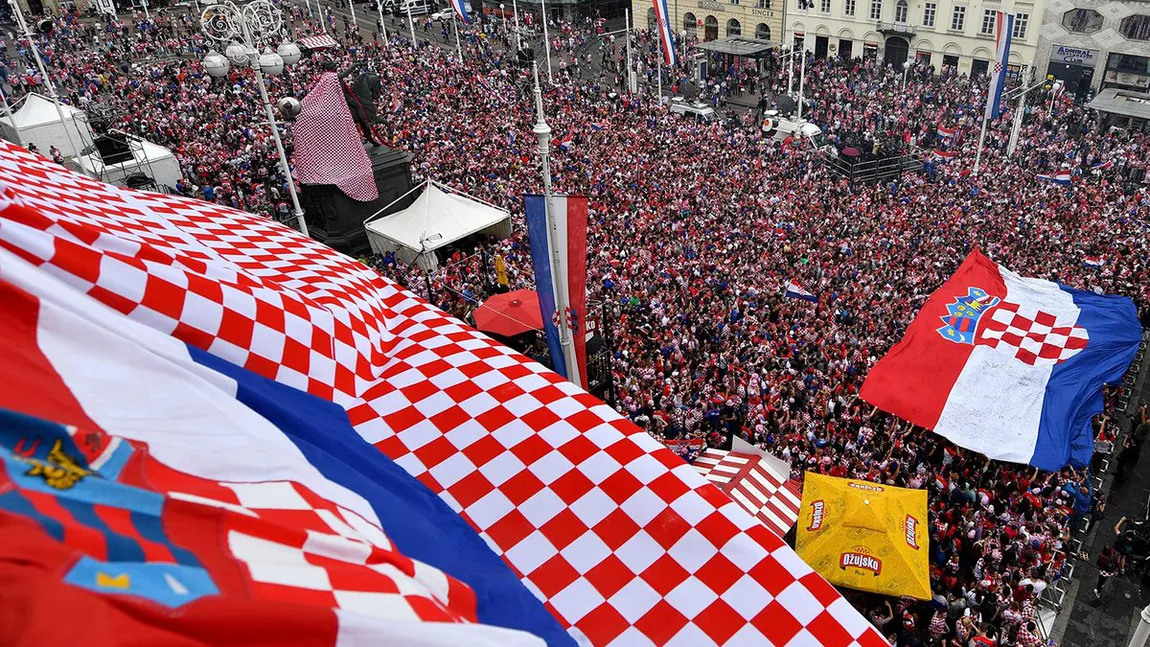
(630,68)
(382,23)
(659,74)
(802,75)
(351,5)
(518,38)
(410,25)
(546,42)
(458,47)
(558,271)
(1016,128)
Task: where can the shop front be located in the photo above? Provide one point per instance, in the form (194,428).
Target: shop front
(1074,66)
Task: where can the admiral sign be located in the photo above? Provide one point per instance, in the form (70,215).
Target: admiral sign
(1073,55)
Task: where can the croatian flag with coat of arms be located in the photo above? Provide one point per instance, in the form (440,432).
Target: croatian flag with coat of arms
(1008,366)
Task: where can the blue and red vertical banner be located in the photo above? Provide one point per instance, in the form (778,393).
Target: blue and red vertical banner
(666,36)
(1003,30)
(570,214)
(460,7)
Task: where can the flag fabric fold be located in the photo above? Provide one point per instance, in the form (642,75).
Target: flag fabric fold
(615,540)
(1008,366)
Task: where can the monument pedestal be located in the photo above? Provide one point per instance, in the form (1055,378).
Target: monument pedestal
(337,221)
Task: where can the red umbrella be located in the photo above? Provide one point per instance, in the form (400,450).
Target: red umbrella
(509,314)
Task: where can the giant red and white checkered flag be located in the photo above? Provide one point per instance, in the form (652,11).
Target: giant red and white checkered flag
(230,346)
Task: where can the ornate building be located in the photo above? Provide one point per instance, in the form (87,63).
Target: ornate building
(1095,44)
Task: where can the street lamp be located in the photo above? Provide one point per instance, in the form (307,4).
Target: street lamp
(244,28)
(906,65)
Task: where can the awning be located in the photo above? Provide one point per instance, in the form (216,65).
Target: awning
(1122,102)
(317,42)
(739,46)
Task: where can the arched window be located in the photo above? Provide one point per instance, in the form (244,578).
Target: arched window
(733,27)
(710,28)
(763,31)
(691,25)
(652,19)
(900,11)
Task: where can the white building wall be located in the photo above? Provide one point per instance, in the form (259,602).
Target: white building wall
(967,44)
(1094,48)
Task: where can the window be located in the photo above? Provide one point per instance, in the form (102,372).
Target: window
(958,20)
(825,6)
(763,31)
(900,10)
(849,7)
(876,9)
(734,28)
(1083,21)
(928,11)
(1020,24)
(652,20)
(1136,27)
(763,4)
(734,2)
(988,18)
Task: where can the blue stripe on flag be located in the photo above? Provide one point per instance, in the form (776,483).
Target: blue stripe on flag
(421,525)
(541,252)
(1073,393)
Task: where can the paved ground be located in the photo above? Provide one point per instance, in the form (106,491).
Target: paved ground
(1109,621)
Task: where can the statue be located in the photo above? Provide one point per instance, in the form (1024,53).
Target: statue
(361,95)
(328,146)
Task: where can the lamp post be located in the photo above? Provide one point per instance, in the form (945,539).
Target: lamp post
(906,65)
(245,28)
(382,22)
(543,136)
(27,33)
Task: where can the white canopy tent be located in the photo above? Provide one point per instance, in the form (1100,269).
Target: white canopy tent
(438,217)
(152,160)
(40,124)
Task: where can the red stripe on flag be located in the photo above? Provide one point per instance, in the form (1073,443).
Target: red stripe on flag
(914,380)
(44,394)
(577,275)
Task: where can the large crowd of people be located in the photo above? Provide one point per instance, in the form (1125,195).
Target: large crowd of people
(694,230)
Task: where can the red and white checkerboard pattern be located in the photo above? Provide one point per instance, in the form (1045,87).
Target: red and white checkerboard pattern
(623,542)
(1040,339)
(769,495)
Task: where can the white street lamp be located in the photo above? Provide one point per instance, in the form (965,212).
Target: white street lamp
(906,65)
(245,28)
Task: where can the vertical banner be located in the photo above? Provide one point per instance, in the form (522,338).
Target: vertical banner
(1003,30)
(666,35)
(570,213)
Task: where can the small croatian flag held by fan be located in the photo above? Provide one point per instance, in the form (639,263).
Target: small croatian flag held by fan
(796,292)
(1061,177)
(460,7)
(944,132)
(1008,366)
(1003,30)
(666,36)
(570,214)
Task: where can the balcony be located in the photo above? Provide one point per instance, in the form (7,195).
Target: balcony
(896,29)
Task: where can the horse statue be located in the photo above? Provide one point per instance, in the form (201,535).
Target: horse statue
(361,94)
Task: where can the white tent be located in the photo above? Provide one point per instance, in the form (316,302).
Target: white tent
(438,217)
(39,124)
(152,160)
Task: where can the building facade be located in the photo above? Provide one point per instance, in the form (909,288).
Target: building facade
(953,33)
(714,19)
(1096,44)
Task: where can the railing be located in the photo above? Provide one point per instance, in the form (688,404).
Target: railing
(896,28)
(874,170)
